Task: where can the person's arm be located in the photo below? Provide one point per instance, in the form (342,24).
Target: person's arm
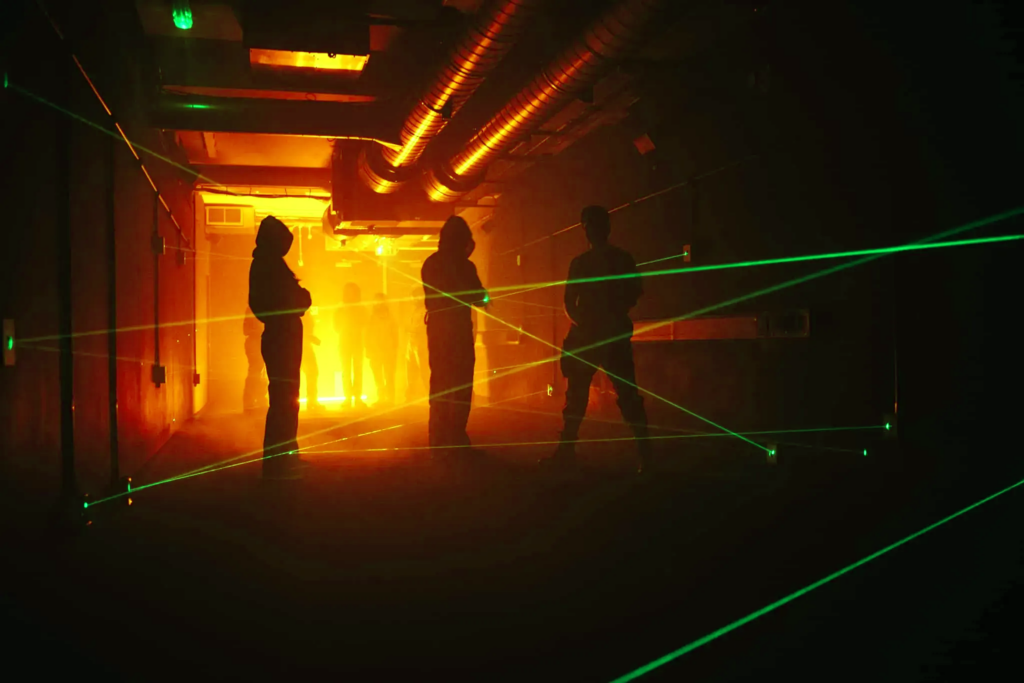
(478,295)
(572,294)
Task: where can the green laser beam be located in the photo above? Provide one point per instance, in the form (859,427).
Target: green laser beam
(613,439)
(113,134)
(714,635)
(555,283)
(652,195)
(659,260)
(586,362)
(230,462)
(969,226)
(807,278)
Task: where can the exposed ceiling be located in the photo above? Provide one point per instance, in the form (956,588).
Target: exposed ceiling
(270,97)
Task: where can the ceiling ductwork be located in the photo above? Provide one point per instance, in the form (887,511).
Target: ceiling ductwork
(491,37)
(575,69)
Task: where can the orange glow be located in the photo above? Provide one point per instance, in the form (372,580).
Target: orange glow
(307,60)
(471,60)
(308,208)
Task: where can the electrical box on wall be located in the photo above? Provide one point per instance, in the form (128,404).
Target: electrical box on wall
(8,341)
(159,375)
(230,220)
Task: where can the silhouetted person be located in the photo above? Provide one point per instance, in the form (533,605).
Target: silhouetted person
(278,301)
(254,395)
(350,323)
(600,311)
(309,365)
(416,368)
(450,340)
(382,349)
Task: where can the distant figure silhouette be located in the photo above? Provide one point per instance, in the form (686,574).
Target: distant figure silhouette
(450,332)
(600,311)
(416,368)
(382,349)
(309,365)
(278,301)
(350,323)
(254,395)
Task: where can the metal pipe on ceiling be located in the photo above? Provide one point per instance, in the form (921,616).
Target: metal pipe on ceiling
(577,67)
(488,40)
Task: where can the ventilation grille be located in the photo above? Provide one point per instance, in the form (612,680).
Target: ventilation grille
(230,220)
(224,215)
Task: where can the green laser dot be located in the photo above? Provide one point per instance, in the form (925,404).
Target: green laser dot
(182,15)
(85,505)
(887,426)
(865,452)
(10,343)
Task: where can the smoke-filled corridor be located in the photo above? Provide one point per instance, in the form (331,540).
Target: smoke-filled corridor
(497,340)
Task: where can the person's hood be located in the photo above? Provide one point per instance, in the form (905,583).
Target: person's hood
(454,237)
(273,240)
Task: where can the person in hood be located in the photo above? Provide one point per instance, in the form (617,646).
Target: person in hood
(254,395)
(599,311)
(452,287)
(382,349)
(416,370)
(309,365)
(350,324)
(277,300)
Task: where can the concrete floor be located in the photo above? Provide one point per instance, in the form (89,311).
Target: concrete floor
(389,565)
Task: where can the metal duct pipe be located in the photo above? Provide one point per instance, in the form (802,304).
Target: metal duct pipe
(579,66)
(489,39)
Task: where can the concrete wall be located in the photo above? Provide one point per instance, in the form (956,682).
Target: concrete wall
(29,391)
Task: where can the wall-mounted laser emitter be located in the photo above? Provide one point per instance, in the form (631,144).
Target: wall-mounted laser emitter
(687,253)
(8,341)
(889,426)
(772,454)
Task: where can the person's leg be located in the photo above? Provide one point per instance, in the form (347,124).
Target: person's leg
(377,369)
(460,400)
(292,370)
(620,362)
(390,370)
(276,435)
(578,377)
(435,358)
(358,357)
(346,374)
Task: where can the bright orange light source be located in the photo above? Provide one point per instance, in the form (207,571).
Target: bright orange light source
(307,60)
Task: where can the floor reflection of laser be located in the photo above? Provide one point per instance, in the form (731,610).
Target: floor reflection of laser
(548,413)
(714,635)
(614,439)
(229,463)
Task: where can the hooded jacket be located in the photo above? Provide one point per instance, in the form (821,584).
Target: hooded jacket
(274,292)
(449,271)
